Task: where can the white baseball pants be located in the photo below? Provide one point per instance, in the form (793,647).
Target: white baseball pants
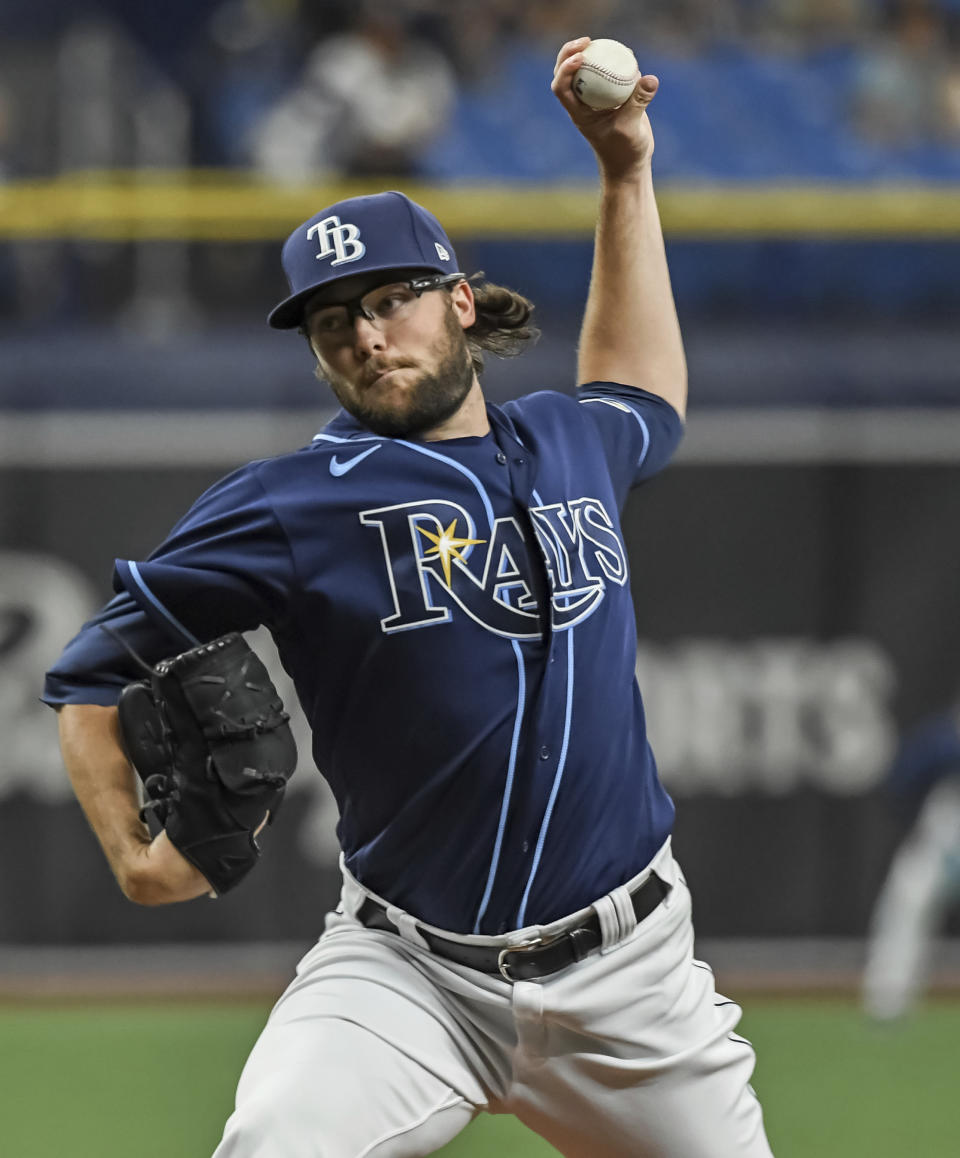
(380,1049)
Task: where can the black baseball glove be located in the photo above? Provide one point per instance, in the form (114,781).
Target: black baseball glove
(210,739)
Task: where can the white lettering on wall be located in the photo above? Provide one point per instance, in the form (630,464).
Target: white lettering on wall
(769,715)
(43,602)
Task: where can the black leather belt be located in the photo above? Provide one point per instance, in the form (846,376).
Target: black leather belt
(530,959)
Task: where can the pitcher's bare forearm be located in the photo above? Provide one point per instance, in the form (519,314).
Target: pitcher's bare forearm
(150,872)
(630,331)
(103,780)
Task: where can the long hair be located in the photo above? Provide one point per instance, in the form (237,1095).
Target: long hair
(503,325)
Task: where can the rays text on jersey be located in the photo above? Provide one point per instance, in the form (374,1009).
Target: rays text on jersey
(437,563)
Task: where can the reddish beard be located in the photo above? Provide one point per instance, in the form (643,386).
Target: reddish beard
(434,396)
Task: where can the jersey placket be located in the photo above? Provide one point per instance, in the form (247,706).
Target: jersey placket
(542,752)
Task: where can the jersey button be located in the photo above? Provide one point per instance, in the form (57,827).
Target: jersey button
(544,753)
(501,458)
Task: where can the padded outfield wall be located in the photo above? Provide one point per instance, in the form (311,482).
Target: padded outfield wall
(792,614)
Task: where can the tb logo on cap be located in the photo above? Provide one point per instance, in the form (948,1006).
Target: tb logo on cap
(334,238)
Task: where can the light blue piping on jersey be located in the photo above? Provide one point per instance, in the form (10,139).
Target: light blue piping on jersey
(355,438)
(508,787)
(541,839)
(169,616)
(521,694)
(617,404)
(485,498)
(511,769)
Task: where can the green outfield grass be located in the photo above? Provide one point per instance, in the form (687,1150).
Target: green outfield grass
(156,1081)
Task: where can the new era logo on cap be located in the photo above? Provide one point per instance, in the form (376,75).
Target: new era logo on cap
(370,234)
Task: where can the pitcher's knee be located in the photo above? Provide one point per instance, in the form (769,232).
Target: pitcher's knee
(277,1121)
(272,1123)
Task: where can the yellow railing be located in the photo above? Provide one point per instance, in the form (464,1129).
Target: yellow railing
(217,206)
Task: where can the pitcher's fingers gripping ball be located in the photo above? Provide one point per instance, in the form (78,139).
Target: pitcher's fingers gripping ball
(619,132)
(608,75)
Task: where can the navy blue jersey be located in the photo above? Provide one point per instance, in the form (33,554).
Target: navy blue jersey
(457,620)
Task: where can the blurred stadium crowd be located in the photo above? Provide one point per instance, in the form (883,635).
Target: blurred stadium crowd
(452,89)
(274,100)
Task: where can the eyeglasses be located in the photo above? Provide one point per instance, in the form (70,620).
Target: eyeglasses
(382,307)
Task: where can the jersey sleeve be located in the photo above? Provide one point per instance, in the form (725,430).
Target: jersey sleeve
(95,665)
(226,566)
(639,431)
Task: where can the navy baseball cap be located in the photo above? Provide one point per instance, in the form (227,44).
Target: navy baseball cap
(382,231)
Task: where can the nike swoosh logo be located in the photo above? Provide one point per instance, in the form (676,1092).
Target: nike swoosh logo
(338,468)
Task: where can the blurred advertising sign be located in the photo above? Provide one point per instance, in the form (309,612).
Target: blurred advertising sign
(770,715)
(43,599)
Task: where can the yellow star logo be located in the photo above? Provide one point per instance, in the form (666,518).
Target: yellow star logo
(447,546)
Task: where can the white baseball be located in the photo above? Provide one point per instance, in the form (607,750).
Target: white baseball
(608,75)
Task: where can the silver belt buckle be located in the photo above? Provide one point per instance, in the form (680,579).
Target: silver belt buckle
(536,942)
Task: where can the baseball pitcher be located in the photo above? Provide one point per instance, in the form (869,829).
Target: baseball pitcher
(447,585)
